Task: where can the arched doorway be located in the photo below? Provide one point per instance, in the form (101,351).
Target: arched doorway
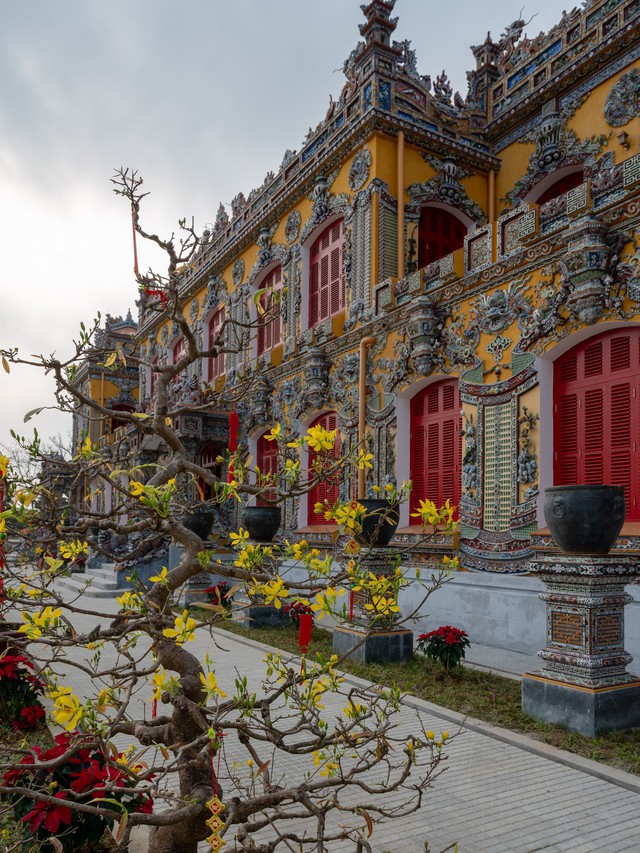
(561,186)
(596,398)
(440,233)
(209,458)
(435,445)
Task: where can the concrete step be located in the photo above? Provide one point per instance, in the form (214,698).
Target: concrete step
(92,587)
(101,574)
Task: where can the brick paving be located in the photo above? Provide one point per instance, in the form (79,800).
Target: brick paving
(500,792)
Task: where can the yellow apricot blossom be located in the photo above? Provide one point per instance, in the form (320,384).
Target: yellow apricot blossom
(318,438)
(183,630)
(210,684)
(74,548)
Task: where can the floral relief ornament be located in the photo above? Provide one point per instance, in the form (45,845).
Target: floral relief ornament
(623,101)
(238,272)
(359,171)
(292,226)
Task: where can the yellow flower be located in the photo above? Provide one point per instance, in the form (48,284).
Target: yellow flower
(325,600)
(318,438)
(364,460)
(353,710)
(273,592)
(239,537)
(210,684)
(430,735)
(161,578)
(73,549)
(183,631)
(136,488)
(275,433)
(4,465)
(445,736)
(102,701)
(37,623)
(67,708)
(159,680)
(130,601)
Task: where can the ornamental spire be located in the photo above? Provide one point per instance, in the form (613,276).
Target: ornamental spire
(379,24)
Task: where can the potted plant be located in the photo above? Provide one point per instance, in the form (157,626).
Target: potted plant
(446,645)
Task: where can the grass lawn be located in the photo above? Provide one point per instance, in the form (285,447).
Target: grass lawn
(472,692)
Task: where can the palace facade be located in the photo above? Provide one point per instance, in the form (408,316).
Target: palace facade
(490,245)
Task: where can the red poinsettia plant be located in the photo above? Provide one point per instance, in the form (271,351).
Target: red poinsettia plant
(446,644)
(219,594)
(84,774)
(20,690)
(297,609)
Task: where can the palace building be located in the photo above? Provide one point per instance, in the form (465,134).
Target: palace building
(489,243)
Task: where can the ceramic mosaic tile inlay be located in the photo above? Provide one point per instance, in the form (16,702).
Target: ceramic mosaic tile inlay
(498,452)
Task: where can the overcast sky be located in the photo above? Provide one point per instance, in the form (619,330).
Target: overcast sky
(203,97)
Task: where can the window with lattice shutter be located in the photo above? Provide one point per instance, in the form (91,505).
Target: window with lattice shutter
(327,489)
(597,416)
(435,445)
(269,325)
(267,462)
(326,290)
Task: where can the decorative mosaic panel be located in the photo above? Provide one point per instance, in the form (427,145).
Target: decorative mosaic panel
(608,629)
(383,297)
(446,266)
(361,255)
(478,250)
(528,224)
(577,198)
(510,236)
(567,629)
(498,462)
(631,171)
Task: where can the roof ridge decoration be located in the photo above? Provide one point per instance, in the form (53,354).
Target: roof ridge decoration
(379,25)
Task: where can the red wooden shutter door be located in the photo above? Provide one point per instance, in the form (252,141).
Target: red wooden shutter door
(267,462)
(597,416)
(435,445)
(326,291)
(327,489)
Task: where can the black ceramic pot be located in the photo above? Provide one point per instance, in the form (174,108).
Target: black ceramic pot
(200,522)
(262,522)
(584,519)
(380,522)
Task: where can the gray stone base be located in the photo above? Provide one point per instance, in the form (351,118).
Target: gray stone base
(589,711)
(378,647)
(260,615)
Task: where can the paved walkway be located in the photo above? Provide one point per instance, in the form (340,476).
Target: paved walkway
(500,793)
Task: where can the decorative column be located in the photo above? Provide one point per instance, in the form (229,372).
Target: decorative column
(583,682)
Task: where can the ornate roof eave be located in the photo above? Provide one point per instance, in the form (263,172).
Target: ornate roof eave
(374,120)
(560,84)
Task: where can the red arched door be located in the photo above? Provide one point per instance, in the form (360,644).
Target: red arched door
(440,233)
(267,462)
(435,447)
(327,489)
(596,415)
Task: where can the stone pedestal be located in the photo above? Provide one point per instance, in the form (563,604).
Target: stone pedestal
(259,615)
(392,646)
(583,682)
